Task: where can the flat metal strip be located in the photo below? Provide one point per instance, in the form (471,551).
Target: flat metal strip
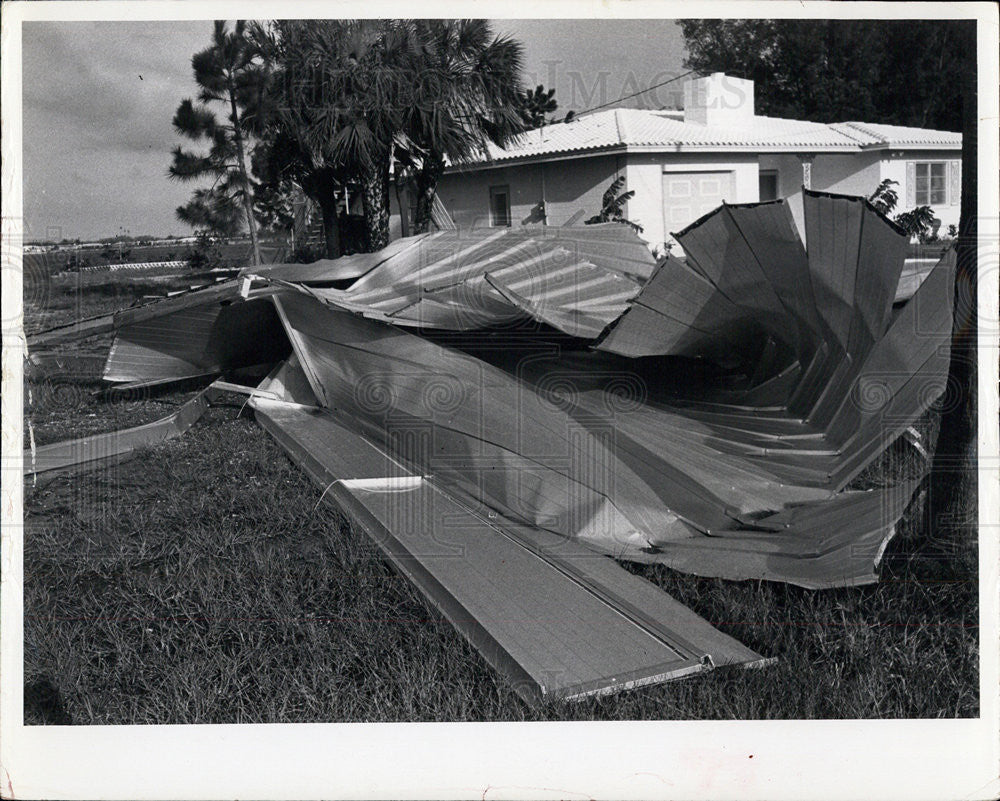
(102,448)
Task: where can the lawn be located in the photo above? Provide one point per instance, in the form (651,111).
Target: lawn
(203,582)
(55,260)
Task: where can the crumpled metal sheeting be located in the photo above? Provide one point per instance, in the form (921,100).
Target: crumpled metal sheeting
(701,468)
(577,280)
(632,479)
(327,271)
(493,436)
(213,336)
(834,544)
(717,248)
(855,259)
(903,375)
(680,312)
(815,325)
(594,386)
(599,244)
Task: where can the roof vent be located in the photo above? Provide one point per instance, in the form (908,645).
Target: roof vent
(719,99)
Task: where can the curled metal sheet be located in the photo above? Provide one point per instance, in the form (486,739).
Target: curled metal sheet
(536,371)
(813,376)
(559,385)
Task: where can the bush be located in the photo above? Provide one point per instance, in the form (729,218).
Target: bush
(75,262)
(206,252)
(307,253)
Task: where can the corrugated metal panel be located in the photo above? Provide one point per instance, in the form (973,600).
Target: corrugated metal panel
(834,544)
(577,624)
(539,457)
(342,269)
(472,279)
(679,312)
(196,339)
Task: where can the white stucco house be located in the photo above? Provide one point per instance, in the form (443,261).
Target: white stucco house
(682,164)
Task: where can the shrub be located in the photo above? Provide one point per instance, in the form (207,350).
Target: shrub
(206,252)
(307,253)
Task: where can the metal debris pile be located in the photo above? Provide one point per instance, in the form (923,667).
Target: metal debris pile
(500,409)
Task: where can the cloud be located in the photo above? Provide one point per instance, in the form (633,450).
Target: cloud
(97,137)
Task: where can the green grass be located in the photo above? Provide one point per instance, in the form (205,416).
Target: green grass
(201,583)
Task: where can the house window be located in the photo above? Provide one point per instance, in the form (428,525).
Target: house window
(767,182)
(500,206)
(931,183)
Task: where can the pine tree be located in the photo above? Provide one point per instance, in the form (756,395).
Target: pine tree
(226,72)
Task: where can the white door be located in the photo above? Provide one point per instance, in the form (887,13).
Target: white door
(689,195)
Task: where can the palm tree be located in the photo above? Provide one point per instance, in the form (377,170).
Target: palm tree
(284,158)
(344,86)
(281,162)
(355,93)
(613,206)
(466,96)
(226,72)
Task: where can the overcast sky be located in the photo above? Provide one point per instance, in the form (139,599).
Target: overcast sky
(99,98)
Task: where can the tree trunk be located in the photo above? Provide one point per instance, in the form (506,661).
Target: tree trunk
(403,204)
(426,182)
(331,225)
(375,197)
(953,499)
(321,186)
(244,173)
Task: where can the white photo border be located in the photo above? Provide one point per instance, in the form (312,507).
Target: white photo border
(834,759)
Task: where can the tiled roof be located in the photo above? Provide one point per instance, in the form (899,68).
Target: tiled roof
(873,134)
(641,129)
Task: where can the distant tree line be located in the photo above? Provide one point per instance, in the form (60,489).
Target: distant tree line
(899,72)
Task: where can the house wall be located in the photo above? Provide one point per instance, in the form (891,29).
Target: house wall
(644,175)
(894,166)
(843,173)
(847,173)
(860,174)
(577,184)
(567,187)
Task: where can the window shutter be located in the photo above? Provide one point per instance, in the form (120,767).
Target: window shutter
(911,184)
(955,182)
